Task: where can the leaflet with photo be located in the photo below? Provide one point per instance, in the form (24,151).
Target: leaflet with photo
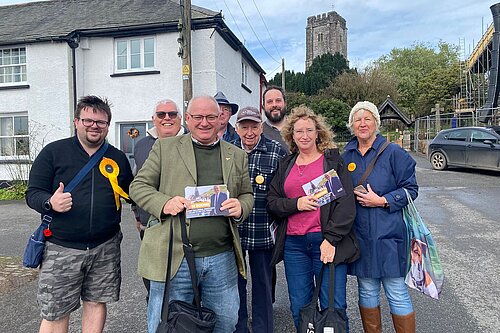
(206,200)
(325,188)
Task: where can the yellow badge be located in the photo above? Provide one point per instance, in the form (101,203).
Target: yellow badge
(259,179)
(110,170)
(351,166)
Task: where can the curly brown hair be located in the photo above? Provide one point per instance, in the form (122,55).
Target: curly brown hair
(325,134)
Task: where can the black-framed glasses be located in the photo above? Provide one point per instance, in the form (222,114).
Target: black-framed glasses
(171,114)
(90,122)
(199,118)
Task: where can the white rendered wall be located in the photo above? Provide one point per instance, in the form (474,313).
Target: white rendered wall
(47,100)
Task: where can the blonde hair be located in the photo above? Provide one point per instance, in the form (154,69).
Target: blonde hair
(325,134)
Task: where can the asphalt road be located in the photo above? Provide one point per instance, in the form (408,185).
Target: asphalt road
(459,206)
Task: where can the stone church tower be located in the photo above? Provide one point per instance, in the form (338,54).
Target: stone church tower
(325,33)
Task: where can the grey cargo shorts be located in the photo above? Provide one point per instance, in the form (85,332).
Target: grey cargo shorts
(66,275)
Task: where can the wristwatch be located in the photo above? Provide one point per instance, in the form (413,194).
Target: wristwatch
(47,205)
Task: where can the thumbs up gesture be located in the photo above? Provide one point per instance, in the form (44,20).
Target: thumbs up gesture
(61,202)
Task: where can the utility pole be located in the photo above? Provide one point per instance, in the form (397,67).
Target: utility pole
(283,73)
(185,52)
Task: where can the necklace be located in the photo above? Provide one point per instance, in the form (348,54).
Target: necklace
(307,161)
(301,169)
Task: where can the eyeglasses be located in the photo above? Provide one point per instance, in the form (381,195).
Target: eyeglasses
(308,132)
(90,122)
(171,114)
(199,118)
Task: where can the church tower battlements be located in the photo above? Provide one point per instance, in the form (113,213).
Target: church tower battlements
(325,33)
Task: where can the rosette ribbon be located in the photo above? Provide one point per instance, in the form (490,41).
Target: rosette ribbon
(109,169)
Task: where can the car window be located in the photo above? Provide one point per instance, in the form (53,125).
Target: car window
(480,136)
(459,135)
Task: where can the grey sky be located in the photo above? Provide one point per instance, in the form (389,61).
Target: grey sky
(374,26)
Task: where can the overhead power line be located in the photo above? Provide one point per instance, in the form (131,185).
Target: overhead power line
(248,21)
(265,25)
(234,21)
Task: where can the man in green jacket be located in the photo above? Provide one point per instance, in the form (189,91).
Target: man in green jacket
(196,159)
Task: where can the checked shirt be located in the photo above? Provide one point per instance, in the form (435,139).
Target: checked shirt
(262,161)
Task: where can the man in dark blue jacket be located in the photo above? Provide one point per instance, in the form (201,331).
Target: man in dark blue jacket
(82,256)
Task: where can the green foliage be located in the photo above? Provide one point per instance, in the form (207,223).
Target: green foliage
(14,192)
(335,112)
(410,65)
(323,70)
(438,86)
(373,84)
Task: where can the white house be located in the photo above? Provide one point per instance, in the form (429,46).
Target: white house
(53,52)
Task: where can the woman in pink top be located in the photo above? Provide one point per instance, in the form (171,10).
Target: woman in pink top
(309,235)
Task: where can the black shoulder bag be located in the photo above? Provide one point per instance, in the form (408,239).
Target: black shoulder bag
(312,320)
(179,316)
(33,253)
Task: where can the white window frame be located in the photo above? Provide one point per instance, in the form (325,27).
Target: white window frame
(244,73)
(12,66)
(14,136)
(128,54)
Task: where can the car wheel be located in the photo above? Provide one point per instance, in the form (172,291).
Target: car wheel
(438,161)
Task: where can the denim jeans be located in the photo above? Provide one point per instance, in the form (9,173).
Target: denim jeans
(395,290)
(302,267)
(218,283)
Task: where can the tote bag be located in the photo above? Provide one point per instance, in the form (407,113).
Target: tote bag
(425,272)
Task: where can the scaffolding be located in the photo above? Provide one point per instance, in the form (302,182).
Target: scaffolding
(474,74)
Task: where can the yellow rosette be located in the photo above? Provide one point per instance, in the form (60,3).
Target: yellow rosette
(351,166)
(110,170)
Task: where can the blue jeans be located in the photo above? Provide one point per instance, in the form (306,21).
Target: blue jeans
(395,290)
(302,267)
(218,283)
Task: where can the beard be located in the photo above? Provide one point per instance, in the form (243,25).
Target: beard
(275,118)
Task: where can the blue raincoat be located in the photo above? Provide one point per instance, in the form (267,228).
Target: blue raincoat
(381,232)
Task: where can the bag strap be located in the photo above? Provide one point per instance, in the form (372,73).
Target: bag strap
(79,176)
(189,254)
(87,167)
(166,292)
(372,164)
(331,286)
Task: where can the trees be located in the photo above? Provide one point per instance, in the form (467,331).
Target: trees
(373,84)
(409,66)
(319,75)
(416,78)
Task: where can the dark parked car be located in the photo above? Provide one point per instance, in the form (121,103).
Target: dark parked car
(469,147)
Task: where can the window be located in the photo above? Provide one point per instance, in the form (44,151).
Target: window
(135,54)
(14,140)
(244,73)
(460,135)
(128,139)
(12,65)
(480,137)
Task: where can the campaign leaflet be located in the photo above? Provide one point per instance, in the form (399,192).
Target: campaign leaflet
(206,200)
(325,188)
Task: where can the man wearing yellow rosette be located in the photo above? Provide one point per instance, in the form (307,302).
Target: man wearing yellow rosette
(195,159)
(82,254)
(255,235)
